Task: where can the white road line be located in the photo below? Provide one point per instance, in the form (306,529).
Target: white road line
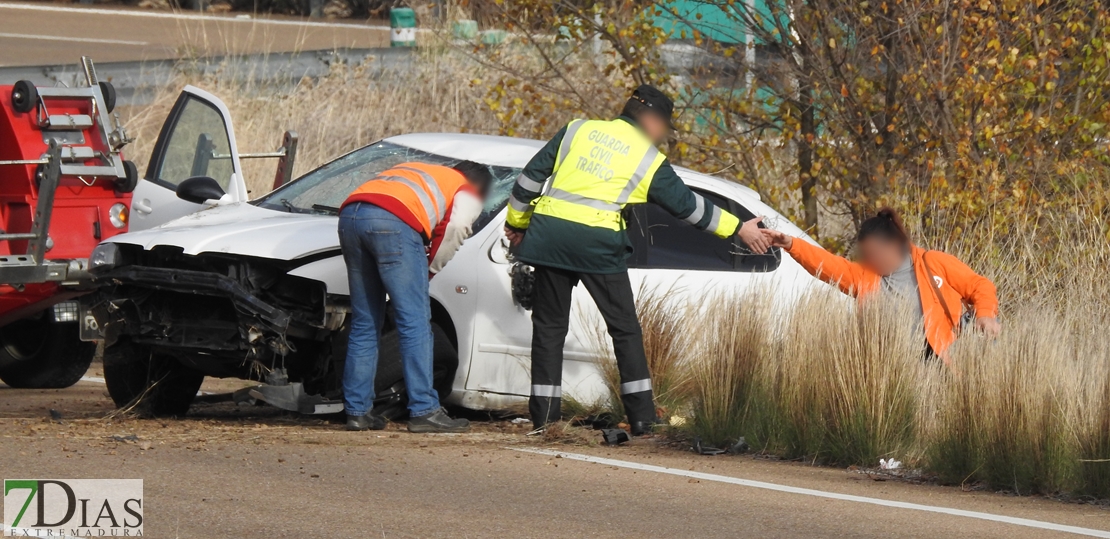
(73,39)
(93,379)
(184,16)
(820,493)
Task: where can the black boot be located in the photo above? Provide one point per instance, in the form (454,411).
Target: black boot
(438,421)
(365,422)
(643,428)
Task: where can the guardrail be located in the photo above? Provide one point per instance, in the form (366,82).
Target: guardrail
(135,82)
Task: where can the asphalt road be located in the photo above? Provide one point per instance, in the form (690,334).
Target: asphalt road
(228,471)
(49,34)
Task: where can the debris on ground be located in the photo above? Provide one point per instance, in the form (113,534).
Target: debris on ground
(891,464)
(740,447)
(520,421)
(615,436)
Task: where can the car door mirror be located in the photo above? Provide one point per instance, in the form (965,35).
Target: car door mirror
(199,189)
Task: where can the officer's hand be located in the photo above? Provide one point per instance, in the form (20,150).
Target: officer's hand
(778,239)
(514,237)
(751,235)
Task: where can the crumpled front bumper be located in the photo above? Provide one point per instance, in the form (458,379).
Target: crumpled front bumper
(103,319)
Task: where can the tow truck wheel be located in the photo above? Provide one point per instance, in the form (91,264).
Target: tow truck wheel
(39,353)
(24,96)
(109,93)
(155,385)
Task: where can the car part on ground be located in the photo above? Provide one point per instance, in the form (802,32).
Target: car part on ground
(614,436)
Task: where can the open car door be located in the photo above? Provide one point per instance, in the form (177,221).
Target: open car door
(197,140)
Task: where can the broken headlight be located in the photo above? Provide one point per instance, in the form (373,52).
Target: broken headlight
(105,257)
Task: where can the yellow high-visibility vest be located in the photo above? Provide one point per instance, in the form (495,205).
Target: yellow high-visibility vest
(601,167)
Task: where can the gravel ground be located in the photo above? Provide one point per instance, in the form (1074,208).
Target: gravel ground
(235,471)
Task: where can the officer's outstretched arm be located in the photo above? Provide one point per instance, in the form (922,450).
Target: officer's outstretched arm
(669,192)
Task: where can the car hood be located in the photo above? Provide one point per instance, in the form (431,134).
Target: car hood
(243,229)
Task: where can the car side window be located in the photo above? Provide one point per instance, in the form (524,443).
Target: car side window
(197,146)
(661,241)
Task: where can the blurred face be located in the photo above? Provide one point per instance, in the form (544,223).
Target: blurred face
(881,255)
(655,126)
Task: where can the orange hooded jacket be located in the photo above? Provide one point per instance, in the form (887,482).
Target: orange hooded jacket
(957,284)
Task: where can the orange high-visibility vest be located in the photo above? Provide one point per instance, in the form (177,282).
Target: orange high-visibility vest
(425,191)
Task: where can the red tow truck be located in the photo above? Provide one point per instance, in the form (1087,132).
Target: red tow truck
(64,187)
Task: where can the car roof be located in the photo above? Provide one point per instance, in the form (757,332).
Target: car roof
(486,149)
(515,152)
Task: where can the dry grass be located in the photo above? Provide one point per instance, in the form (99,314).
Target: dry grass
(354,105)
(836,382)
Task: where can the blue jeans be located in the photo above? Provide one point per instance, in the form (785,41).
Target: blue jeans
(386,256)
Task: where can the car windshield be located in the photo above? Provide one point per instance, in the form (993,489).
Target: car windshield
(323,190)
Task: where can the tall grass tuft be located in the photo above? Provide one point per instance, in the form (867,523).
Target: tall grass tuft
(1026,413)
(835,381)
(731,338)
(856,372)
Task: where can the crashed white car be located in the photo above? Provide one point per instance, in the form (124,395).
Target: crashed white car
(209,283)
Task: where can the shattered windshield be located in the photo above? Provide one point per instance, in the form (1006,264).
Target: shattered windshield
(323,190)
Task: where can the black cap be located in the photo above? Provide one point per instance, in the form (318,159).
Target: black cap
(656,101)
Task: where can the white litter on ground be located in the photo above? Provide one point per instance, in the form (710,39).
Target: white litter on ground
(889,464)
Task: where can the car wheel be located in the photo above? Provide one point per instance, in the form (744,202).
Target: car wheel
(41,353)
(389,382)
(445,362)
(155,384)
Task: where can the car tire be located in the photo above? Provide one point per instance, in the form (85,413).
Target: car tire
(156,385)
(445,362)
(40,353)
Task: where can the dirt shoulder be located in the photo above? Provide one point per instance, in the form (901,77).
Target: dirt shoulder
(257,472)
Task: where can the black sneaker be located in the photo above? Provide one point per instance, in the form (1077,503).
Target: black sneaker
(365,422)
(438,421)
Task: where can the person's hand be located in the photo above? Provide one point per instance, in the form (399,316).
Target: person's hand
(989,325)
(778,239)
(750,234)
(514,237)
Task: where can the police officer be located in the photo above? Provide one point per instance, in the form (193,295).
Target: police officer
(574,233)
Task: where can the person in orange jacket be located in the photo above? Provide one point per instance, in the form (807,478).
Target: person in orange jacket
(939,284)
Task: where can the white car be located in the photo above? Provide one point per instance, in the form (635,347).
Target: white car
(257,289)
